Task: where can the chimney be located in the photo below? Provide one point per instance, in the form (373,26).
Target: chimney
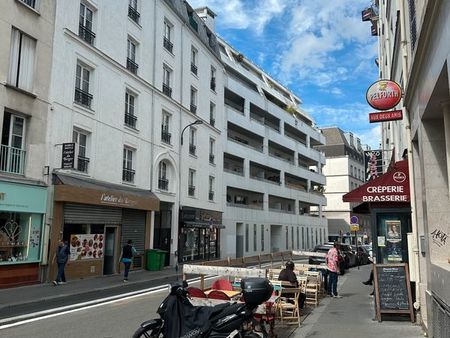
(208,17)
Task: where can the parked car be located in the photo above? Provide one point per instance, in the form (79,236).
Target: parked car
(368,248)
(321,260)
(362,256)
(348,254)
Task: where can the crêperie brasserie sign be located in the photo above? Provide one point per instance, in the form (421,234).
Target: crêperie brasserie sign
(392,289)
(385,193)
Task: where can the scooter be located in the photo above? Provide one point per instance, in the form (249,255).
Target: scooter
(181,319)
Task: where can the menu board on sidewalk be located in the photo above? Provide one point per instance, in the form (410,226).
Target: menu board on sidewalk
(393,289)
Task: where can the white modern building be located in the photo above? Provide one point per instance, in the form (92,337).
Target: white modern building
(272,174)
(127,78)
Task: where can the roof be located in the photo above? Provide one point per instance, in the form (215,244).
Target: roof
(334,135)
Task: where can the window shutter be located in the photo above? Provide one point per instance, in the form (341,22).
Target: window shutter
(14,57)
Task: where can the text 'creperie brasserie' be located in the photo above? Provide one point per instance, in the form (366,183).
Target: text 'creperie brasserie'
(385,193)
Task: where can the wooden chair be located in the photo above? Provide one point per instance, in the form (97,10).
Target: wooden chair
(217,294)
(312,291)
(196,292)
(287,305)
(222,284)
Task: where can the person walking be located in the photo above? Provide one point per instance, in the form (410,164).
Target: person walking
(126,258)
(332,260)
(61,256)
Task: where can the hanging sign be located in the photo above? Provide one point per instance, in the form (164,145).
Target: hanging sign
(384,95)
(393,115)
(68,156)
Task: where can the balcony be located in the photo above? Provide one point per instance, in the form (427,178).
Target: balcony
(132,66)
(163,184)
(211,158)
(212,84)
(194,68)
(244,199)
(192,149)
(211,195)
(191,190)
(133,14)
(168,45)
(128,175)
(165,136)
(83,164)
(193,108)
(86,34)
(167,90)
(12,160)
(264,173)
(83,97)
(130,120)
(31,3)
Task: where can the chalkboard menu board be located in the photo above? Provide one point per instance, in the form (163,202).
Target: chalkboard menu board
(392,289)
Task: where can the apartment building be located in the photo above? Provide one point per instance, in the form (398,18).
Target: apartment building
(273,180)
(26,42)
(344,171)
(128,79)
(414,51)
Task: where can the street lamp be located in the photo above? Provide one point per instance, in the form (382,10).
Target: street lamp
(190,124)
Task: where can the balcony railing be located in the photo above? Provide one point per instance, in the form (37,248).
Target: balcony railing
(191,190)
(194,68)
(31,3)
(82,97)
(167,90)
(132,66)
(193,23)
(211,158)
(133,14)
(128,175)
(213,84)
(86,34)
(192,149)
(168,44)
(130,120)
(83,164)
(193,108)
(163,184)
(211,195)
(12,160)
(165,136)
(212,121)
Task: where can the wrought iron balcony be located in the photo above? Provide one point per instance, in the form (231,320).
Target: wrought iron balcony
(167,90)
(130,120)
(83,164)
(193,108)
(86,34)
(12,160)
(163,184)
(165,136)
(31,3)
(211,195)
(128,175)
(191,190)
(194,68)
(82,97)
(211,158)
(168,44)
(133,14)
(213,83)
(192,149)
(132,66)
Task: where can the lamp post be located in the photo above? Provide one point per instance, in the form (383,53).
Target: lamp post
(182,132)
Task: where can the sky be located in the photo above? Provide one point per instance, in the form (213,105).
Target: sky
(319,49)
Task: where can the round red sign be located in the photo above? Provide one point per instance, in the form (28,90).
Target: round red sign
(384,94)
(399,177)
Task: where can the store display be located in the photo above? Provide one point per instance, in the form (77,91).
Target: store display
(86,246)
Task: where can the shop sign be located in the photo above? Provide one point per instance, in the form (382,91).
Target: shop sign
(384,95)
(86,246)
(393,115)
(385,193)
(112,199)
(68,156)
(18,197)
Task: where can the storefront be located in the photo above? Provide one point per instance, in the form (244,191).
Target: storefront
(22,211)
(97,219)
(199,236)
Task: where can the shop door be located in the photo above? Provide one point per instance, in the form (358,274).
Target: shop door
(110,251)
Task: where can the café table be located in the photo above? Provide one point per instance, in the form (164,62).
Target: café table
(229,293)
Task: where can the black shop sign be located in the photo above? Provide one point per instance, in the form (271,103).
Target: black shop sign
(68,156)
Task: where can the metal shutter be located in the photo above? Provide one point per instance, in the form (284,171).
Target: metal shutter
(133,227)
(91,214)
(440,319)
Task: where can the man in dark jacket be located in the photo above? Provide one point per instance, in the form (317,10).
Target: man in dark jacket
(288,275)
(61,256)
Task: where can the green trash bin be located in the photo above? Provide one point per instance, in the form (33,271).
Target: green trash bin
(152,260)
(162,258)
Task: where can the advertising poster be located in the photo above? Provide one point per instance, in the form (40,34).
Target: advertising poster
(86,246)
(393,240)
(373,164)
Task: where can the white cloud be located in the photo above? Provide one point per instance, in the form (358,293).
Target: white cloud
(371,136)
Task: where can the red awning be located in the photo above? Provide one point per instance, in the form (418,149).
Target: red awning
(392,187)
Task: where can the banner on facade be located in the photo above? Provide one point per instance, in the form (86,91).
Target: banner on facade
(373,164)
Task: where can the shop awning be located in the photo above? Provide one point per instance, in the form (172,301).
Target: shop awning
(391,187)
(202,224)
(83,190)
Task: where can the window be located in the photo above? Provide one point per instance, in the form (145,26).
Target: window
(82,95)
(194,56)
(85,24)
(133,13)
(193,100)
(167,41)
(21,65)
(80,139)
(247,239)
(287,237)
(212,114)
(292,238)
(213,79)
(303,238)
(127,170)
(130,116)
(192,141)
(298,238)
(163,182)
(167,74)
(255,241)
(412,23)
(212,143)
(351,170)
(132,66)
(31,3)
(165,128)
(307,238)
(12,149)
(262,237)
(191,183)
(211,188)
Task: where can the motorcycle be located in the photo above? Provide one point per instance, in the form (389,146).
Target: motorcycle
(181,319)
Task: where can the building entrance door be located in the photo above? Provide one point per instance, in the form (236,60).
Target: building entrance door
(239,240)
(109,266)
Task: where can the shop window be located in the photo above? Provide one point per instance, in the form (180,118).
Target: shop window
(87,241)
(20,237)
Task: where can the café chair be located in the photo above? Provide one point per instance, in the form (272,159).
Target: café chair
(196,292)
(288,307)
(312,291)
(222,284)
(217,294)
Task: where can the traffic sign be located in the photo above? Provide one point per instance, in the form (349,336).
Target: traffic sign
(354,227)
(354,220)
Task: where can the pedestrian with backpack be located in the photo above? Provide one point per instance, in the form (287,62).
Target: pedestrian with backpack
(128,251)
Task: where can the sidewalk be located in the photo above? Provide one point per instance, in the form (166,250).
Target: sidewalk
(352,315)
